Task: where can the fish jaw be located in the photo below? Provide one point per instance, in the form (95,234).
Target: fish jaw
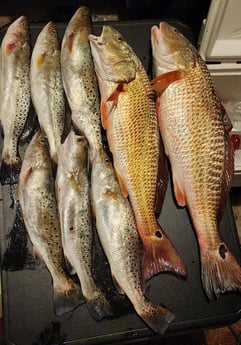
(115,68)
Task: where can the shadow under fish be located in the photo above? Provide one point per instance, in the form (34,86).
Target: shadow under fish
(17,255)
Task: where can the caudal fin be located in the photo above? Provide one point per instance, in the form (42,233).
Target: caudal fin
(9,174)
(220,271)
(98,306)
(67,299)
(156,317)
(161,255)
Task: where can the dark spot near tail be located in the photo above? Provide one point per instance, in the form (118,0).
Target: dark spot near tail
(158,234)
(71,229)
(222,251)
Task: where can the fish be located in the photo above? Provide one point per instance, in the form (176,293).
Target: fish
(73,196)
(79,79)
(15,95)
(116,227)
(199,148)
(129,117)
(36,195)
(47,90)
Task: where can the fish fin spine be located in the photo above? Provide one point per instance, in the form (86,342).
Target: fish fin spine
(161,82)
(121,183)
(179,193)
(161,255)
(220,271)
(104,114)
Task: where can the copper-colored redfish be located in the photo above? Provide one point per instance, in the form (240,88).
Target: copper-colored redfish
(198,146)
(129,117)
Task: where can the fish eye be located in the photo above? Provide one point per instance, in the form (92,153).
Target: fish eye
(174,30)
(119,38)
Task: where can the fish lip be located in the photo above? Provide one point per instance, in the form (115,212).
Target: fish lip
(97,40)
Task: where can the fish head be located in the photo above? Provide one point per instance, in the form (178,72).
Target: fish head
(170,49)
(75,151)
(17,36)
(113,57)
(103,168)
(78,29)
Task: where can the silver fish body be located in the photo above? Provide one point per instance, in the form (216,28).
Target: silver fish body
(15,94)
(117,231)
(79,79)
(47,89)
(73,194)
(36,193)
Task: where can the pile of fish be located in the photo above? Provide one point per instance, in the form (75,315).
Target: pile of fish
(71,184)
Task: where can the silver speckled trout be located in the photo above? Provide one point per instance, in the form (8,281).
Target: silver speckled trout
(36,193)
(73,195)
(47,89)
(15,95)
(117,231)
(79,79)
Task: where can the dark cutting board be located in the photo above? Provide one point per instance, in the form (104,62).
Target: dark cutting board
(27,293)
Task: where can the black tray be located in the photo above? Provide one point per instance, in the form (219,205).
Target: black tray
(27,294)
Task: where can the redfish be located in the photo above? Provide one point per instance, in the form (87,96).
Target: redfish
(192,126)
(129,117)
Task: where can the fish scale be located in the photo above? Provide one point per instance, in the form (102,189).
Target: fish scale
(200,150)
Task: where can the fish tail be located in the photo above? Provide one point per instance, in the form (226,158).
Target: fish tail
(9,173)
(220,271)
(156,317)
(98,306)
(66,299)
(161,255)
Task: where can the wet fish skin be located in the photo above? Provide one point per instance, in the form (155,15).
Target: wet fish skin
(129,117)
(199,148)
(79,79)
(73,195)
(36,193)
(47,88)
(117,231)
(15,58)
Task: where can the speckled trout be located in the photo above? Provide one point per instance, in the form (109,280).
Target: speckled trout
(116,228)
(36,193)
(47,89)
(73,195)
(129,117)
(200,150)
(15,95)
(79,79)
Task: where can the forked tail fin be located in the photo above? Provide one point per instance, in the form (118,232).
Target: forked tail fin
(9,174)
(67,299)
(156,317)
(161,255)
(220,271)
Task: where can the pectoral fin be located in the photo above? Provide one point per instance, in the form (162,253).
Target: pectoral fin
(161,82)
